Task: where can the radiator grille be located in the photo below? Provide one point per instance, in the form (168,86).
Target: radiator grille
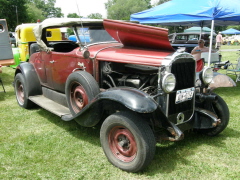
(184,71)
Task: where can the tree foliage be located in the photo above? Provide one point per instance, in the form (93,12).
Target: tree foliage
(34,13)
(73,15)
(162,1)
(27,11)
(122,9)
(14,11)
(95,16)
(47,8)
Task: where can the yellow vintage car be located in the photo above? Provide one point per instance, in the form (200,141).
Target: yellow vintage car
(25,37)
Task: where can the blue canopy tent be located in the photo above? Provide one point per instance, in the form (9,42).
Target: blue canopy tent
(192,13)
(231,31)
(198,29)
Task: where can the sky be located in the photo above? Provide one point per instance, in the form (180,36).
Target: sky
(85,7)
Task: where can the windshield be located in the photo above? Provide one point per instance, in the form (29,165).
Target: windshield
(89,35)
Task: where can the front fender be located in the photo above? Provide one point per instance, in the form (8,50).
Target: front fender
(114,99)
(221,80)
(33,85)
(131,98)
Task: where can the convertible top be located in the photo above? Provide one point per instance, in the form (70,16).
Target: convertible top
(61,22)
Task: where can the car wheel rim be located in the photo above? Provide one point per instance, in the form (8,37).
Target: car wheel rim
(122,144)
(20,92)
(79,97)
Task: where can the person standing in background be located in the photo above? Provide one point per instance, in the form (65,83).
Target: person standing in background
(219,40)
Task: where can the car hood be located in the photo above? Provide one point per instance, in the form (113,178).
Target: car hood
(137,35)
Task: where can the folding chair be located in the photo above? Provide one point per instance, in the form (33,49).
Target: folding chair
(1,79)
(234,69)
(2,85)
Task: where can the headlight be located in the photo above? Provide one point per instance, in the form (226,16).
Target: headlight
(207,75)
(168,82)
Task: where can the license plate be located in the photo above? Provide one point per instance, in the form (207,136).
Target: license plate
(184,95)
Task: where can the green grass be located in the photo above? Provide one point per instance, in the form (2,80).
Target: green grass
(35,144)
(230,47)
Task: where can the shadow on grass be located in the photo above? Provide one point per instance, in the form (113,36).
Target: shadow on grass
(89,134)
(170,155)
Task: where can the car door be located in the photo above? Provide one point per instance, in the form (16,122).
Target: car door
(6,57)
(53,68)
(48,61)
(63,64)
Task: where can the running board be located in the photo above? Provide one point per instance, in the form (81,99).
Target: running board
(50,105)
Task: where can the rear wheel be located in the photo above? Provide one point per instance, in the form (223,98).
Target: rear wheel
(127,141)
(21,92)
(81,88)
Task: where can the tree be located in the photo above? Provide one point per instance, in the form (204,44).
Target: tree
(122,9)
(47,8)
(95,16)
(34,13)
(27,11)
(14,11)
(162,1)
(73,15)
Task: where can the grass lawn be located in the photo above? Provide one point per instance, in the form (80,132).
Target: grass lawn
(35,144)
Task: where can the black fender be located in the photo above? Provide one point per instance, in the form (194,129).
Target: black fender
(115,99)
(205,119)
(219,80)
(130,99)
(33,84)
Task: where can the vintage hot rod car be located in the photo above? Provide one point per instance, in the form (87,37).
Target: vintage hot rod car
(129,79)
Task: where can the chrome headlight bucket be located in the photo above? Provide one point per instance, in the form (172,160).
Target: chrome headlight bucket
(207,75)
(168,82)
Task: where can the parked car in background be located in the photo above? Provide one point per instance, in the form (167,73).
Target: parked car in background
(189,40)
(129,79)
(25,37)
(12,38)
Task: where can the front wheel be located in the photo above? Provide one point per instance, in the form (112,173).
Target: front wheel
(127,141)
(220,108)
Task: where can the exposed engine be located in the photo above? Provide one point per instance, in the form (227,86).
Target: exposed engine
(136,76)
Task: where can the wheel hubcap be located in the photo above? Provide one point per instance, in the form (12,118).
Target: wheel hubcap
(122,144)
(79,97)
(20,92)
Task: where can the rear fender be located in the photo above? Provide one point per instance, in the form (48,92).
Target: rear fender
(33,85)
